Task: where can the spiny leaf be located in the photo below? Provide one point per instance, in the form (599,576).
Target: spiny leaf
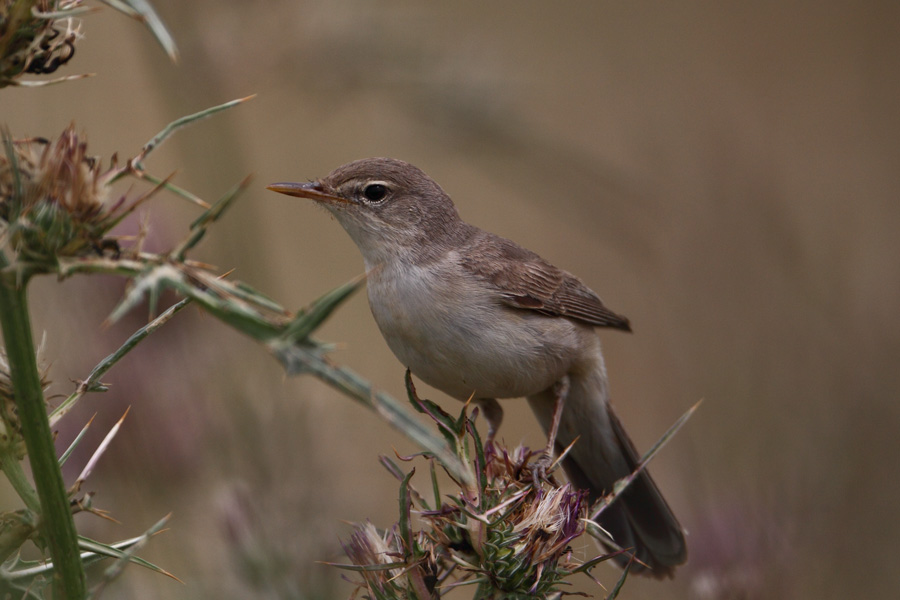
(92,383)
(298,358)
(202,223)
(480,461)
(95,458)
(447,424)
(587,566)
(622,484)
(671,431)
(309,319)
(177,124)
(75,442)
(142,11)
(94,551)
(33,83)
(618,587)
(154,277)
(434,486)
(366,568)
(405,516)
(124,557)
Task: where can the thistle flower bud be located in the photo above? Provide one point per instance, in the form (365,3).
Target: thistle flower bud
(53,199)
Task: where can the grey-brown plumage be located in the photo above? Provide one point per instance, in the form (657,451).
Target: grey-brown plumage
(535,284)
(471,313)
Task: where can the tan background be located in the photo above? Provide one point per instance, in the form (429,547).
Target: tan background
(725,174)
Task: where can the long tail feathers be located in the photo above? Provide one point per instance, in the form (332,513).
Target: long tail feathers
(639,519)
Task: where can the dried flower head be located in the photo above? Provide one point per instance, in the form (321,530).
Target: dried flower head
(376,553)
(519,527)
(510,536)
(53,199)
(33,42)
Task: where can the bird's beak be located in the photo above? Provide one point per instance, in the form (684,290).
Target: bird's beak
(312,190)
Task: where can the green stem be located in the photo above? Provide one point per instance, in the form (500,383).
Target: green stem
(12,468)
(57,525)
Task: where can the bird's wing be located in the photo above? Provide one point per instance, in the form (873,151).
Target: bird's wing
(534,284)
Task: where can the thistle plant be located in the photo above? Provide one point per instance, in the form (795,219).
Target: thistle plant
(53,205)
(56,204)
(510,533)
(54,201)
(38,37)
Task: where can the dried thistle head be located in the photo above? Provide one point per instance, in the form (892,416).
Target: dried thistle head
(520,528)
(53,199)
(32,43)
(547,524)
(374,552)
(511,535)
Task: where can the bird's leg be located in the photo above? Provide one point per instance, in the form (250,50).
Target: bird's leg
(493,414)
(542,464)
(560,391)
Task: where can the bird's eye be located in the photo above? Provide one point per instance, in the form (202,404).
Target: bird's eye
(375,192)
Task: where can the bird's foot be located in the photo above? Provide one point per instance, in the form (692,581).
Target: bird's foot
(542,469)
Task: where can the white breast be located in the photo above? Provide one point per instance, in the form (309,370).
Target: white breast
(452,332)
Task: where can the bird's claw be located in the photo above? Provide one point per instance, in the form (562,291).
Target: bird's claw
(542,469)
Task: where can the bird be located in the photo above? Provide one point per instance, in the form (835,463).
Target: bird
(478,316)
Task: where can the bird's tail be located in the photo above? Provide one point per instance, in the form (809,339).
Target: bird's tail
(639,519)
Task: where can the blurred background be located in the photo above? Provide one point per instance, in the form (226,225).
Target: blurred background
(726,175)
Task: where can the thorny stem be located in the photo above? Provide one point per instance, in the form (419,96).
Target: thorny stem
(354,386)
(12,468)
(92,383)
(57,525)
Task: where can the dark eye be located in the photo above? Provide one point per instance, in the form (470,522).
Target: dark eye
(374,192)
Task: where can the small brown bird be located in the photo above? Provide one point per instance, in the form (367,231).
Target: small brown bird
(471,313)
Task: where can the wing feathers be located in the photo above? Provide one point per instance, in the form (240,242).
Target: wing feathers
(524,280)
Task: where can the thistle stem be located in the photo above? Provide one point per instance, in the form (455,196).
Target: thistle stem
(12,468)
(57,525)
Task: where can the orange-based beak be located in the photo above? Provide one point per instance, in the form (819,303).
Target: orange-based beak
(311,189)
